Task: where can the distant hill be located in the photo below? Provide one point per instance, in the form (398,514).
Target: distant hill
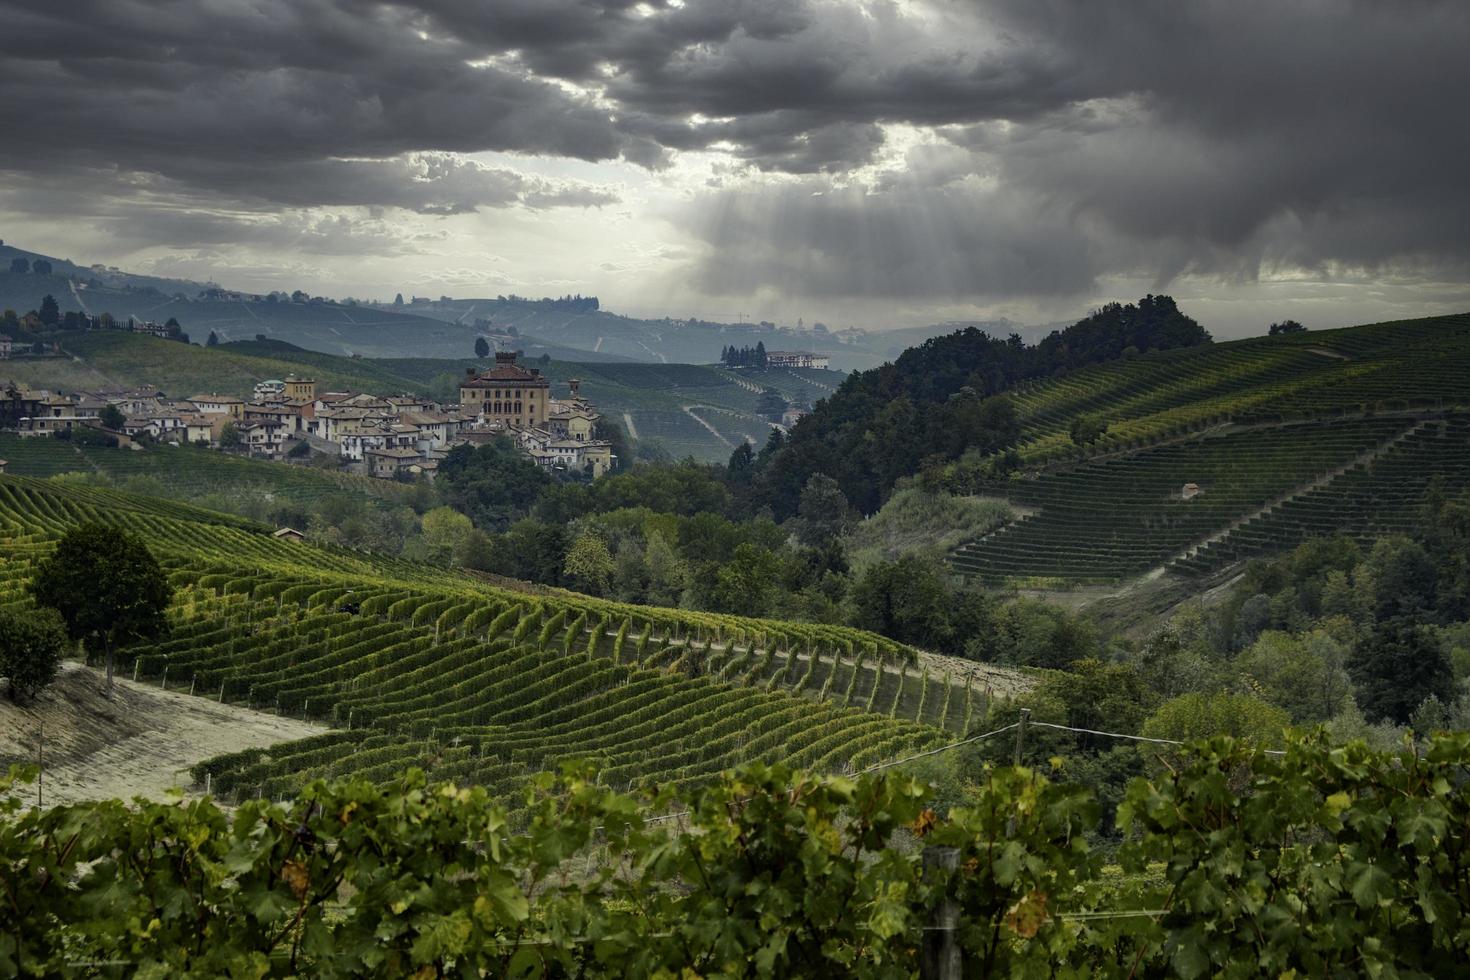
(667,340)
(445,327)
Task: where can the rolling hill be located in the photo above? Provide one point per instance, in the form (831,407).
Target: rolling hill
(416,665)
(691,410)
(1341,431)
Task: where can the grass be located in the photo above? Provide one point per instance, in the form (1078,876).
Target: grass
(916,522)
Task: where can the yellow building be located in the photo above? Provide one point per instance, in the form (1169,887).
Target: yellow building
(300,389)
(507,393)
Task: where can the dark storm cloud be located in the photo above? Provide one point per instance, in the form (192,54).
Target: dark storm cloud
(1213,136)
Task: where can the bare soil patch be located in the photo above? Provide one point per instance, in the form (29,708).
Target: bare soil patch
(142,742)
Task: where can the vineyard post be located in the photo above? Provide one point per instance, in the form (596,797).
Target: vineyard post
(192,681)
(40,763)
(163,681)
(221,692)
(941,954)
(135,667)
(1021,733)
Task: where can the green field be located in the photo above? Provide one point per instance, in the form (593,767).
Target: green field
(415,665)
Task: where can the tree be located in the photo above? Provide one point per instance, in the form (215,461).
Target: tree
(31,646)
(108,588)
(482,347)
(742,464)
(1303,674)
(398,300)
(1398,666)
(771,406)
(41,267)
(112,417)
(229,436)
(50,313)
(589,565)
(1087,429)
(20,265)
(213,340)
(172,323)
(1195,715)
(446,532)
(1285,326)
(907,600)
(823,515)
(494,483)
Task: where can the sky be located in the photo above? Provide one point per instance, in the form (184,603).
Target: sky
(867,163)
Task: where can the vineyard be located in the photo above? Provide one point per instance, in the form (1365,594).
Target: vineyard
(188,472)
(1370,500)
(1388,366)
(1111,518)
(1284,437)
(1314,861)
(417,666)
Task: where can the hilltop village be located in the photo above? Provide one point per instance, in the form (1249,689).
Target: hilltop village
(387,436)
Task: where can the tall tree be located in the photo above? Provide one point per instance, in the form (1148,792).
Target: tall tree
(108,588)
(50,313)
(20,265)
(41,267)
(213,340)
(1398,666)
(482,347)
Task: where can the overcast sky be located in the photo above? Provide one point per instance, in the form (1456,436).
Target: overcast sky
(867,163)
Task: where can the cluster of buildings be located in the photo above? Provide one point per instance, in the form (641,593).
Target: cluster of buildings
(393,437)
(796,359)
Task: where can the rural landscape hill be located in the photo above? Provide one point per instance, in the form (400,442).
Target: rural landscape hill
(411,664)
(702,411)
(421,327)
(1278,439)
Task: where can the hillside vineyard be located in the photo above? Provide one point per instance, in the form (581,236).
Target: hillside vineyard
(416,666)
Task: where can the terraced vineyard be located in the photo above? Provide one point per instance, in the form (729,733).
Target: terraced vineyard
(1111,518)
(420,666)
(1408,364)
(186,472)
(1370,500)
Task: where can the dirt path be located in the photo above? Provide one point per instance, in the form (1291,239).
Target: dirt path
(140,743)
(689,410)
(632,429)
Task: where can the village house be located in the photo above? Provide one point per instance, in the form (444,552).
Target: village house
(218,405)
(264,437)
(6,344)
(795,359)
(299,389)
(269,390)
(389,463)
(151,329)
(283,414)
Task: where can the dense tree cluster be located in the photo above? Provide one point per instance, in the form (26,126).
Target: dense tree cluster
(745,357)
(941,400)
